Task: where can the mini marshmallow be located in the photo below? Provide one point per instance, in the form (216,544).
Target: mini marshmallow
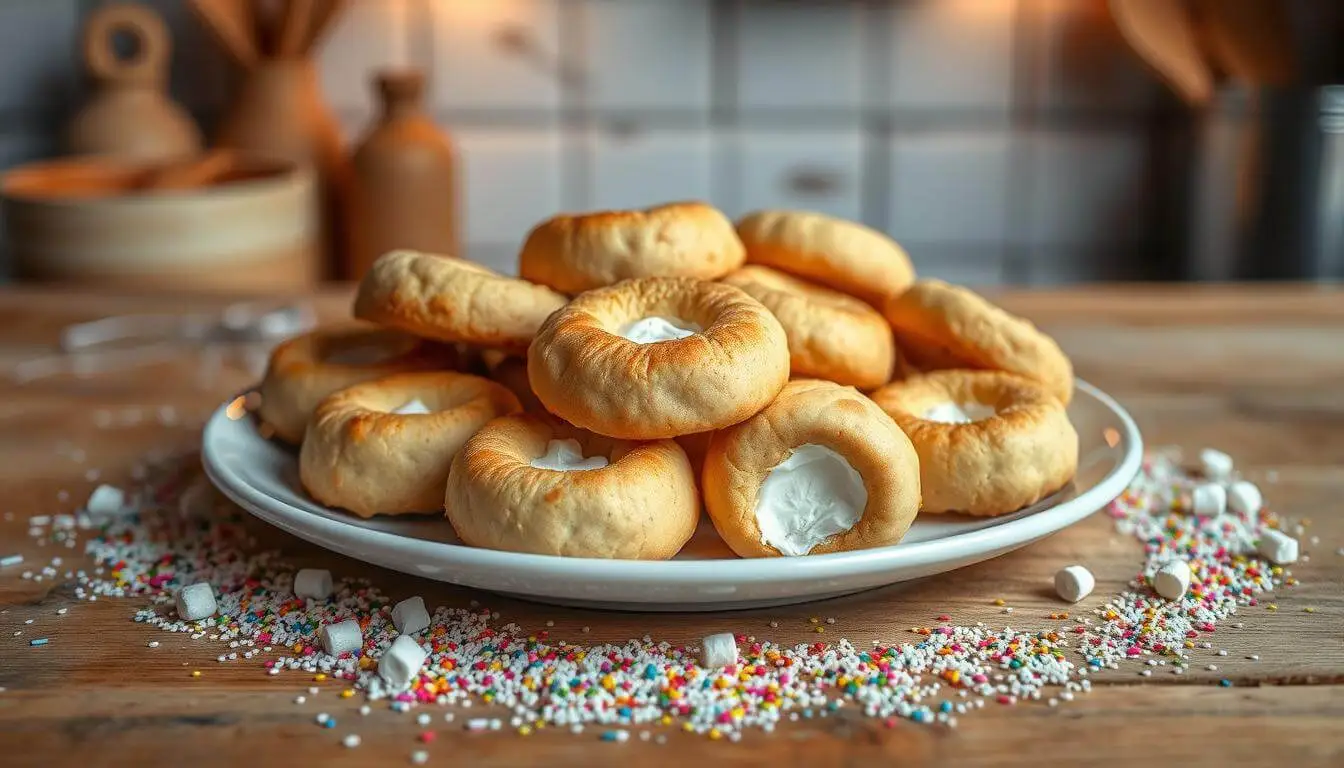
(196,602)
(718,650)
(344,637)
(1172,579)
(106,501)
(401,662)
(409,616)
(1209,500)
(1215,464)
(313,582)
(1244,498)
(1277,547)
(1074,583)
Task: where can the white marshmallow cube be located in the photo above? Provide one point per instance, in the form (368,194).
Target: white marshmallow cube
(1172,580)
(343,637)
(401,662)
(1209,500)
(106,501)
(718,650)
(1215,463)
(1277,547)
(313,582)
(1244,498)
(1074,583)
(409,616)
(196,602)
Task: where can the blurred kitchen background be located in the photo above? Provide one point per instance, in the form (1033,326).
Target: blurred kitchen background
(1000,141)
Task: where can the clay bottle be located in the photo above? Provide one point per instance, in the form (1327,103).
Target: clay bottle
(404,188)
(130,116)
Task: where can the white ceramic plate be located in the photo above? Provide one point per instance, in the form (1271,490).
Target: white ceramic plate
(262,477)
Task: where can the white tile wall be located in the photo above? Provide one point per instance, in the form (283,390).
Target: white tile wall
(813,170)
(780,64)
(645,167)
(1087,187)
(512,181)
(951,53)
(497,54)
(950,186)
(370,36)
(647,54)
(1082,62)
(38,42)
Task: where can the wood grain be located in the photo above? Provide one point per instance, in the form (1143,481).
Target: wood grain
(1254,371)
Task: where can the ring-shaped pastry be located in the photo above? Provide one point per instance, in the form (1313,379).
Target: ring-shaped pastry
(307,368)
(531,484)
(576,253)
(839,254)
(832,336)
(511,371)
(940,326)
(450,299)
(822,469)
(658,357)
(989,442)
(384,447)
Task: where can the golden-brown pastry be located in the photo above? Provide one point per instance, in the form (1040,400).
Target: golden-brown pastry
(574,253)
(822,469)
(538,485)
(941,326)
(839,254)
(832,335)
(384,447)
(658,357)
(989,442)
(450,299)
(307,368)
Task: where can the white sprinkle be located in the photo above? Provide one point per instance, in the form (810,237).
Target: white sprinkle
(364,709)
(153,643)
(423,719)
(9,560)
(351,741)
(419,757)
(322,718)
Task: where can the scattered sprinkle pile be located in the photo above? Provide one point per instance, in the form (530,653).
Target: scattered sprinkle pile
(176,531)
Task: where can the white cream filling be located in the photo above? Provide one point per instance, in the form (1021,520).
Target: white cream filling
(651,329)
(362,354)
(567,456)
(807,498)
(954,413)
(414,407)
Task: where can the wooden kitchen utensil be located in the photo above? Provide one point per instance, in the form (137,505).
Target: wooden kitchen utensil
(130,114)
(1163,34)
(280,112)
(404,191)
(232,25)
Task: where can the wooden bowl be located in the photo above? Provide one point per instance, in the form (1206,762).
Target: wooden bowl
(252,227)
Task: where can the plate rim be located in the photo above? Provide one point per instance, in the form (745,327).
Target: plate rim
(990,540)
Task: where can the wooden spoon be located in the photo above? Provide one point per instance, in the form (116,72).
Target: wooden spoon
(1163,34)
(230,21)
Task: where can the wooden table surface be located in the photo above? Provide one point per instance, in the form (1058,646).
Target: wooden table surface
(1255,371)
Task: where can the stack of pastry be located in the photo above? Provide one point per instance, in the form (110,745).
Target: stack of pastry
(648,361)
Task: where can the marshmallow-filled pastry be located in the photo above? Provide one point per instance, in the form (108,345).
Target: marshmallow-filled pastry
(832,336)
(454,300)
(658,357)
(576,252)
(941,326)
(305,369)
(527,483)
(822,469)
(842,255)
(384,447)
(989,442)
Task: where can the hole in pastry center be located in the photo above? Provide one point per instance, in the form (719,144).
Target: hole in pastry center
(653,329)
(415,407)
(368,353)
(807,498)
(567,456)
(958,413)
